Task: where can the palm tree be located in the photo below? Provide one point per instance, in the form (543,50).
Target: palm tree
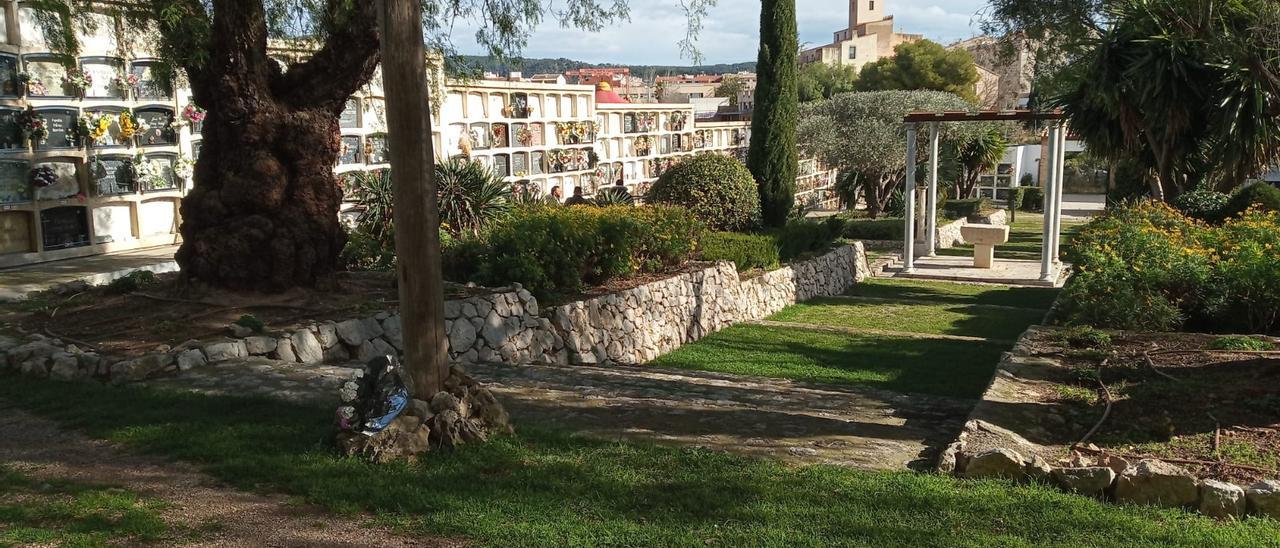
(471,196)
(976,156)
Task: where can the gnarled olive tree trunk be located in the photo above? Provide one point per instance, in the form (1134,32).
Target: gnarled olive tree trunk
(264,211)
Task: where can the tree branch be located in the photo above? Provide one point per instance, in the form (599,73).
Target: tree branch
(344,63)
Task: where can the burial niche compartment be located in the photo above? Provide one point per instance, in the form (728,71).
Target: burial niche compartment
(112,138)
(164,179)
(149,87)
(376,149)
(105,73)
(9,86)
(159,127)
(112,175)
(112,223)
(47,75)
(65,185)
(15,232)
(350,117)
(350,153)
(10,134)
(61,123)
(64,227)
(14,187)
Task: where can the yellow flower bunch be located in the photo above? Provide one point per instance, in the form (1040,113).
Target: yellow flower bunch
(99,128)
(128,128)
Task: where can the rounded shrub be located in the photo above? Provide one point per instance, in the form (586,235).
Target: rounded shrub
(1202,204)
(1260,195)
(718,190)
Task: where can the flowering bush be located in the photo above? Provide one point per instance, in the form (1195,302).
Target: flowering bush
(1147,266)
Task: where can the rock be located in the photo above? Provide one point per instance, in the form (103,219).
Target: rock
(336,354)
(307,347)
(365,352)
(354,332)
(383,348)
(1086,480)
(239,331)
(995,463)
(1115,463)
(66,367)
(495,330)
(1221,500)
(1157,483)
(327,333)
(461,337)
(420,409)
(190,359)
(1264,498)
(284,350)
(393,330)
(444,401)
(225,350)
(404,439)
(259,345)
(140,368)
(1038,469)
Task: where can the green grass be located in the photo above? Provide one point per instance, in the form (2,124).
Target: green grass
(942,319)
(542,488)
(943,292)
(927,366)
(67,513)
(1025,236)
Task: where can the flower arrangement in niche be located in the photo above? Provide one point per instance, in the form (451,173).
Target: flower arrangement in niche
(524,136)
(498,136)
(184,167)
(42,177)
(128,126)
(193,114)
(92,127)
(28,84)
(641,146)
(33,125)
(676,121)
(148,173)
(125,81)
(78,80)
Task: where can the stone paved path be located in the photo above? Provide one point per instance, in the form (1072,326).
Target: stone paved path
(17,282)
(797,422)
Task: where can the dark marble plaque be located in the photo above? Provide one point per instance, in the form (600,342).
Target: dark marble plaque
(8,75)
(10,135)
(148,87)
(350,115)
(14,187)
(62,124)
(350,150)
(112,138)
(64,227)
(158,131)
(112,175)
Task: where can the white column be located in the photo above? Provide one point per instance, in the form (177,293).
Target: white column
(909,194)
(931,202)
(1061,188)
(1051,170)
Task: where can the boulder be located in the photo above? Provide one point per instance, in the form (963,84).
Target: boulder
(354,332)
(461,337)
(284,350)
(382,347)
(66,367)
(1156,483)
(1264,498)
(336,354)
(995,463)
(495,330)
(259,345)
(1086,480)
(140,368)
(239,331)
(225,350)
(1221,500)
(190,359)
(393,330)
(307,347)
(404,439)
(327,333)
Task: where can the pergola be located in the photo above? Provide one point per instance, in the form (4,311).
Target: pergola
(1052,186)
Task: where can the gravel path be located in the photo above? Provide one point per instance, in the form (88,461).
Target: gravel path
(193,501)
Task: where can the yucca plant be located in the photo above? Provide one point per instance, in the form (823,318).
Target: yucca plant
(471,196)
(373,194)
(609,197)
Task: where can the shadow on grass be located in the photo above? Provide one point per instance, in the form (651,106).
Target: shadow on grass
(969,320)
(944,292)
(70,513)
(544,488)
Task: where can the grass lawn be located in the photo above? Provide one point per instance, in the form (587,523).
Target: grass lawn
(541,488)
(67,513)
(1025,236)
(943,292)
(941,367)
(943,319)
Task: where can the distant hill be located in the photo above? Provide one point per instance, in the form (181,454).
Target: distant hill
(530,66)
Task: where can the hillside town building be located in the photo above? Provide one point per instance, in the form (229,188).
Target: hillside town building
(869,37)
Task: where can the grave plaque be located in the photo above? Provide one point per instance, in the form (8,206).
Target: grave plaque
(112,137)
(502,165)
(112,175)
(377,149)
(350,150)
(8,75)
(64,227)
(10,135)
(157,121)
(62,123)
(103,72)
(66,185)
(168,179)
(519,164)
(49,73)
(14,187)
(535,163)
(350,115)
(148,87)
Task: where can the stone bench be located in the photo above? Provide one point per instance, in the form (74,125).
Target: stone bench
(984,239)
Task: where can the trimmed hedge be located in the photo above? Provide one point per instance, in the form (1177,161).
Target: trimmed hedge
(801,237)
(560,250)
(717,189)
(747,251)
(1263,195)
(964,209)
(887,228)
(1033,200)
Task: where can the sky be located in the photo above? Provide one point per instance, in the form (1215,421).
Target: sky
(730,30)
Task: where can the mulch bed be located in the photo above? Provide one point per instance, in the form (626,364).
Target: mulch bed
(1221,409)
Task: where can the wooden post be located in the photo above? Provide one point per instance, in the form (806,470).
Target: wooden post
(417,217)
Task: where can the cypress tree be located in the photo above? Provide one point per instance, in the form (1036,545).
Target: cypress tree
(772,153)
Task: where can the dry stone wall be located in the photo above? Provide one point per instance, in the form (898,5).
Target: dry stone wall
(631,326)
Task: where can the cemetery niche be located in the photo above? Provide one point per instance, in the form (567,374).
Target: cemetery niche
(155,126)
(113,136)
(54,180)
(350,117)
(14,187)
(112,175)
(148,86)
(47,76)
(64,227)
(10,133)
(9,84)
(61,127)
(105,75)
(350,153)
(375,149)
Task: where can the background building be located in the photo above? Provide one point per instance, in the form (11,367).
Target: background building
(868,37)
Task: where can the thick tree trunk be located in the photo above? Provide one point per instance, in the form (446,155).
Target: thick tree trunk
(264,211)
(263,214)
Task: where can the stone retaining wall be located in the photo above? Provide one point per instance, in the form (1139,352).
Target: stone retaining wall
(631,326)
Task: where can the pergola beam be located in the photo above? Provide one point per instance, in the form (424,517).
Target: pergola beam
(983,116)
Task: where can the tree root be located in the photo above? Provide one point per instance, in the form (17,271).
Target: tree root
(1106,394)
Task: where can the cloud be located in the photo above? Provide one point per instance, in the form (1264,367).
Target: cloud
(730,33)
